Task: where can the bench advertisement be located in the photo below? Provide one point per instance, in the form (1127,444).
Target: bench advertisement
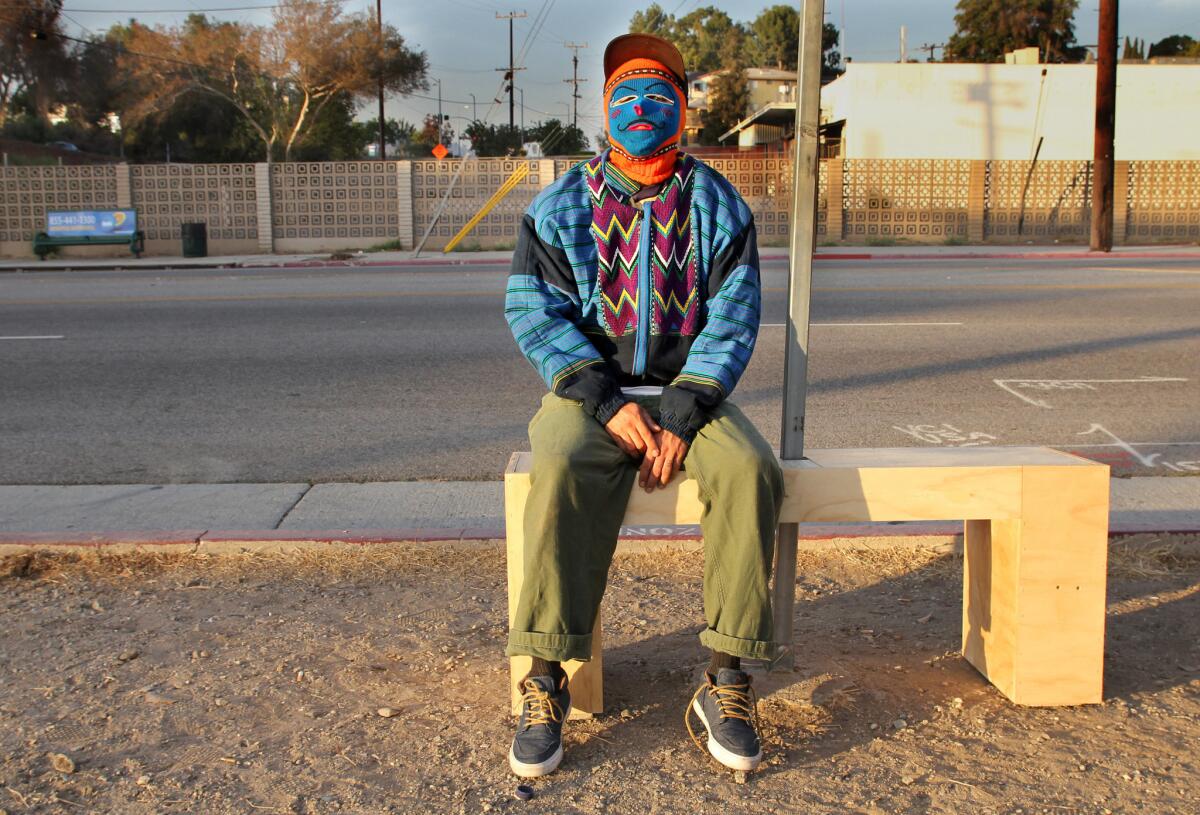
(91,223)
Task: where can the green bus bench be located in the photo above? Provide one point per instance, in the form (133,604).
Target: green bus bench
(113,227)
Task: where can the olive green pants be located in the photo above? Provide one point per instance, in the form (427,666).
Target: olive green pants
(579,487)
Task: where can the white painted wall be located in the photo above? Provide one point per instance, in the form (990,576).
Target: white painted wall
(982,111)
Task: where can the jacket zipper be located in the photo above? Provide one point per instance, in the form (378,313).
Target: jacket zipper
(641,347)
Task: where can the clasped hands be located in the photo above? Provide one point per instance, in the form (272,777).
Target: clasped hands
(639,436)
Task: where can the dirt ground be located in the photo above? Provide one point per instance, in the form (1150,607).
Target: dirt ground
(251,684)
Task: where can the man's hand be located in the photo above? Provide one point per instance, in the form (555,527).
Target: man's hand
(657,471)
(634,431)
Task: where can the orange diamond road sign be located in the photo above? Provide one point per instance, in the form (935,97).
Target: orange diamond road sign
(440,151)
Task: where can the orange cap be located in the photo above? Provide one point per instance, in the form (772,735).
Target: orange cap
(644,46)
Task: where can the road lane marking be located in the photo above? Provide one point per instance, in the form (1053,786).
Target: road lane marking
(1070,384)
(855,325)
(1144,269)
(46,337)
(1145,459)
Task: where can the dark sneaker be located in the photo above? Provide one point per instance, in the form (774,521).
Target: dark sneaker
(537,747)
(728,708)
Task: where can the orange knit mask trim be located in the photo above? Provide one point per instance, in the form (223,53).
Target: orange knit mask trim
(659,166)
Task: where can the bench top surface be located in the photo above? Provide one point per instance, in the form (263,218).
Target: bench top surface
(906,457)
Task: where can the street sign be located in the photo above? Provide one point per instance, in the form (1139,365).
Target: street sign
(440,151)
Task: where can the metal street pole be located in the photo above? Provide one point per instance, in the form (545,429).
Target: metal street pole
(474,108)
(379,30)
(795,374)
(1106,110)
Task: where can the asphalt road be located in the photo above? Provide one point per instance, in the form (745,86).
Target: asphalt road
(410,373)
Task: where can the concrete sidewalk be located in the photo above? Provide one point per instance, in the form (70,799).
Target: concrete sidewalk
(437,258)
(420,510)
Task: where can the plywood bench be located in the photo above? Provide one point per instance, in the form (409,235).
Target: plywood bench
(1035,546)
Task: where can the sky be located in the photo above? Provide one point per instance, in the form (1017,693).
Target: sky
(465,42)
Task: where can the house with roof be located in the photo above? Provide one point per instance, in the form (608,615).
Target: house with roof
(766,85)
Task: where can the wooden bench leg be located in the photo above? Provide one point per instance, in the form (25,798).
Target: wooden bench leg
(1034,590)
(586,678)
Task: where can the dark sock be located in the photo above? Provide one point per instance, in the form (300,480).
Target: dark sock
(542,667)
(720,660)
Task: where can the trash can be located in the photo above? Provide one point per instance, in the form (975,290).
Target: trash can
(195,240)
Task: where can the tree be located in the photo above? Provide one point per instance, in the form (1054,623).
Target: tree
(707,37)
(831,62)
(399,133)
(729,96)
(429,135)
(986,29)
(654,20)
(33,56)
(1176,45)
(278,78)
(557,138)
(701,36)
(1134,49)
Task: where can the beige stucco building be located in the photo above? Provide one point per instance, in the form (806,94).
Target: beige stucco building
(993,111)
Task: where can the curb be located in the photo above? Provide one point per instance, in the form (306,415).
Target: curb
(918,535)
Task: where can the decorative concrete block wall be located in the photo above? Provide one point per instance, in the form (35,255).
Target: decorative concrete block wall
(471,184)
(1051,203)
(303,207)
(224,197)
(332,205)
(1162,201)
(28,193)
(919,200)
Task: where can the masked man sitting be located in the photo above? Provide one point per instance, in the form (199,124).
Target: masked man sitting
(635,294)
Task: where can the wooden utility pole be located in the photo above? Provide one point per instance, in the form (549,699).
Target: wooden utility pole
(379,31)
(1106,118)
(795,374)
(575,80)
(511,75)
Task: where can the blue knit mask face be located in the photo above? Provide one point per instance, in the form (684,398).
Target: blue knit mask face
(643,115)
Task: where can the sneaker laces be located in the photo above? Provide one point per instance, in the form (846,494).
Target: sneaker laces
(540,708)
(733,701)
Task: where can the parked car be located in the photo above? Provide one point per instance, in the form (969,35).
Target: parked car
(63,145)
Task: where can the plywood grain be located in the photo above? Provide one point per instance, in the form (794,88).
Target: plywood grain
(586,678)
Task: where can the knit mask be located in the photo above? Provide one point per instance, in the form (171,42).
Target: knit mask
(645,110)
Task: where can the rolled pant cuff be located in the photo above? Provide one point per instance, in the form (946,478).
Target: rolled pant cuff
(551,647)
(750,649)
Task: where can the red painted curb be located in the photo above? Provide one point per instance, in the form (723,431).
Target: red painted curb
(179,537)
(352,536)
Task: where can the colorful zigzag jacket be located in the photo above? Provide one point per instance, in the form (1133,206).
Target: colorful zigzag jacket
(606,293)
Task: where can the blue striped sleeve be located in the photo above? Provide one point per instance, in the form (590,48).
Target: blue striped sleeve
(542,307)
